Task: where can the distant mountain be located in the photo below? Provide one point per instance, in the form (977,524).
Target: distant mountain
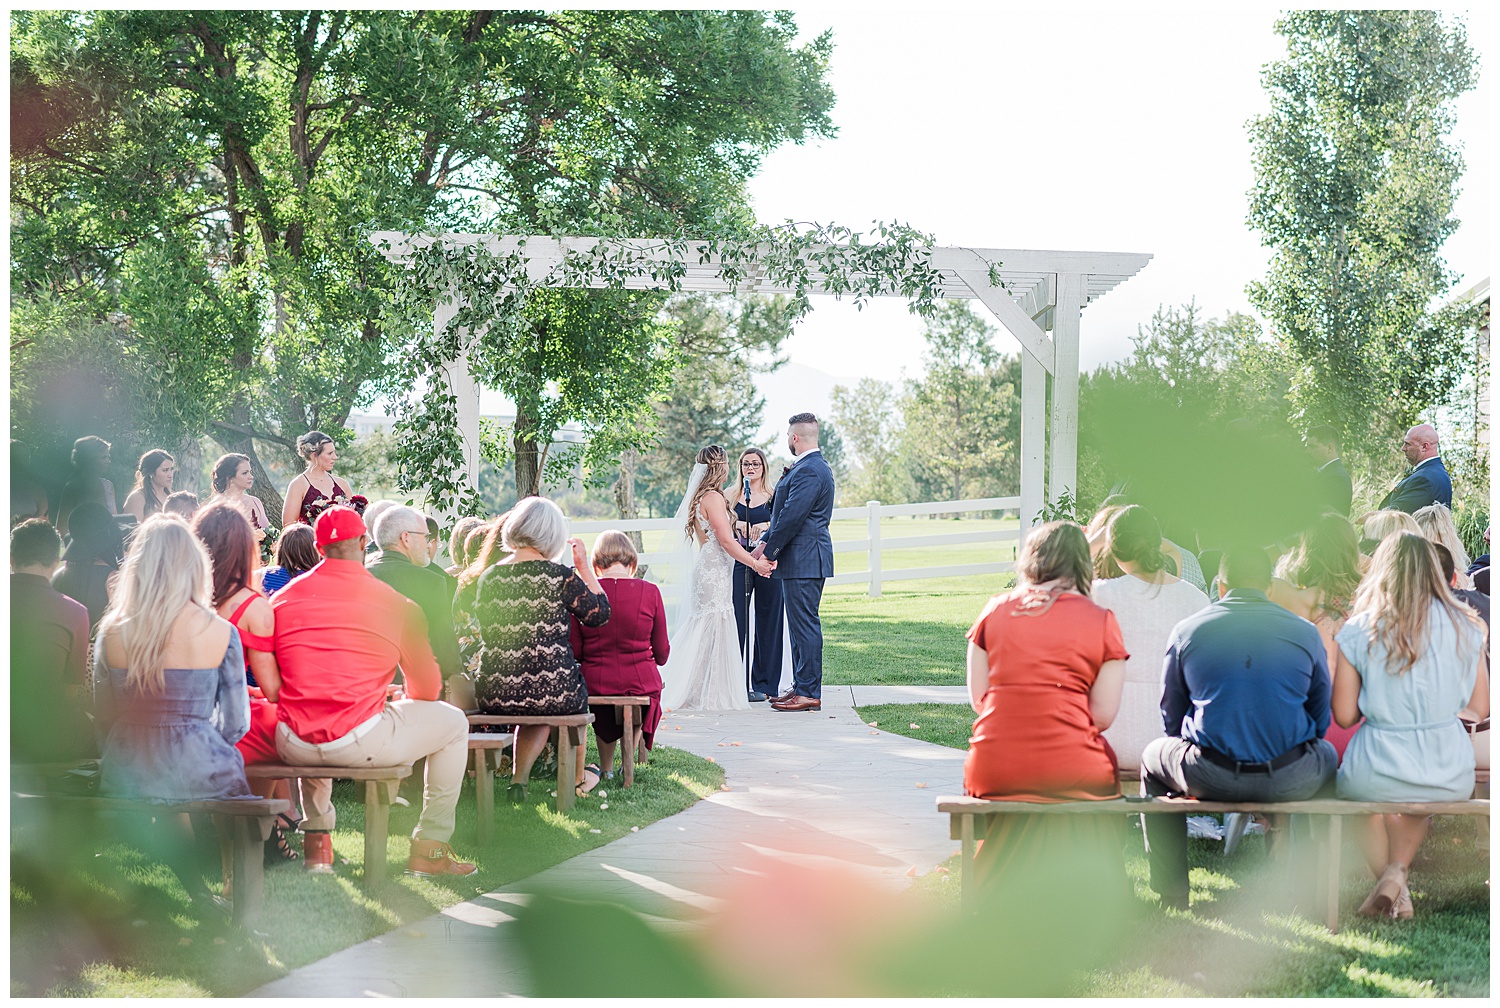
(795,388)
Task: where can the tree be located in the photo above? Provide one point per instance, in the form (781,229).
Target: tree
(219,173)
(1354,189)
(723,343)
(868,417)
(962,417)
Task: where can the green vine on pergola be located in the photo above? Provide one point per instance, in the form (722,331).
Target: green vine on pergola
(491,291)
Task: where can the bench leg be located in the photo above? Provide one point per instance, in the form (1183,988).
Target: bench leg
(966,863)
(628,744)
(567,769)
(1332,844)
(247,837)
(484,794)
(378,797)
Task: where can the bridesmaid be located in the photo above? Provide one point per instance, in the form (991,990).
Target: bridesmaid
(750,523)
(153,484)
(232,479)
(316,483)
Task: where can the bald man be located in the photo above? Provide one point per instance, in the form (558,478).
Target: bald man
(1427,482)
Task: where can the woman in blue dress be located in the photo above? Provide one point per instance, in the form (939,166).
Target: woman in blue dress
(169,683)
(1411,662)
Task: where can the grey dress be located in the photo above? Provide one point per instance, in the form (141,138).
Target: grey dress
(177,745)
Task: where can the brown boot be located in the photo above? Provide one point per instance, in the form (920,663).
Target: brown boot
(434,857)
(317,852)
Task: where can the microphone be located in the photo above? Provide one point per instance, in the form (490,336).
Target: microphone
(747,490)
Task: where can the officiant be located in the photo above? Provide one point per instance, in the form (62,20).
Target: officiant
(752,516)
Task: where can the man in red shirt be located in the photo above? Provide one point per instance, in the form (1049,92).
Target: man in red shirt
(340,636)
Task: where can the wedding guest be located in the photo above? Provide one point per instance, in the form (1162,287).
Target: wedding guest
(1436,523)
(621,657)
(1148,602)
(182,504)
(1045,671)
(169,684)
(487,551)
(522,603)
(49,644)
(153,484)
(458,541)
(1473,598)
(28,498)
(232,480)
(88,485)
(226,534)
(341,636)
(1317,580)
(94,553)
(316,487)
(1380,524)
(1104,565)
(402,563)
(295,555)
(1180,562)
(372,514)
(1411,663)
(750,523)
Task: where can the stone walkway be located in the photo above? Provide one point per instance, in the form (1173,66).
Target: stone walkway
(806,788)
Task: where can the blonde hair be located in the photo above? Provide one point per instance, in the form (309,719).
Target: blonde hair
(167,570)
(1404,580)
(613,547)
(1381,525)
(1104,562)
(718,471)
(1436,523)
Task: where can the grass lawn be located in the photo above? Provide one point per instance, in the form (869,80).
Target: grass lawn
(117,924)
(1233,945)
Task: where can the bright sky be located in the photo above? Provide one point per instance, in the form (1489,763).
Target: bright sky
(1118,129)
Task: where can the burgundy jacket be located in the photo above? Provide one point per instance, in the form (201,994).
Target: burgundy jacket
(620,657)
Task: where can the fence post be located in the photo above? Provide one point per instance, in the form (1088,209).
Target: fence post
(874,533)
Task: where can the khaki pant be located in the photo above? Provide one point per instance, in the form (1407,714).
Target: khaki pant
(404,732)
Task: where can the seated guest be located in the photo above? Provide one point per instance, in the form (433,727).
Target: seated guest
(91,559)
(295,555)
(169,682)
(621,657)
(226,533)
(1317,580)
(182,504)
(372,514)
(1411,662)
(522,604)
(1479,731)
(1436,523)
(1180,562)
(1045,671)
(458,543)
(1148,602)
(486,549)
(1380,524)
(401,533)
(341,636)
(1245,703)
(49,646)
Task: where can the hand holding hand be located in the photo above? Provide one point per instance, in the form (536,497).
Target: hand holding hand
(764,567)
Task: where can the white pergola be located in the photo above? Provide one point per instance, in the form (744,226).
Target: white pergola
(1040,304)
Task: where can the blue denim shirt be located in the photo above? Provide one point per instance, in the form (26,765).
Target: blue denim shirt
(1246,678)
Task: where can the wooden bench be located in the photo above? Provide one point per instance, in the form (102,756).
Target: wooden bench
(570,731)
(633,738)
(481,744)
(967,819)
(243,825)
(379,786)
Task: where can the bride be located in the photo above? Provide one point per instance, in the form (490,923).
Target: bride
(704,670)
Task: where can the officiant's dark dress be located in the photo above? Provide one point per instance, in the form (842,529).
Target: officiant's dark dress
(767,598)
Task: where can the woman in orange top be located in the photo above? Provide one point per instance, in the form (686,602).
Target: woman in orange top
(1046,668)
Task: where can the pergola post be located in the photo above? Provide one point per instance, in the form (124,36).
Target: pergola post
(460,381)
(1033,439)
(1071,297)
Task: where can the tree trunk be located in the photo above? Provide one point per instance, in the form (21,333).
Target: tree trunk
(625,492)
(189,476)
(528,477)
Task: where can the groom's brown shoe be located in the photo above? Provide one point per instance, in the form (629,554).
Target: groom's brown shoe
(791,691)
(798,703)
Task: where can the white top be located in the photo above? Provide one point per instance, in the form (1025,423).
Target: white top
(1146,614)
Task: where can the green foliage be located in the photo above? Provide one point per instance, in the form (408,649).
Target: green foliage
(869,420)
(1354,189)
(961,419)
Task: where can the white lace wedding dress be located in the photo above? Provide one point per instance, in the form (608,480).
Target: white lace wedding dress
(704,671)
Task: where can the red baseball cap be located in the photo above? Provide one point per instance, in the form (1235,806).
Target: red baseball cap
(337,524)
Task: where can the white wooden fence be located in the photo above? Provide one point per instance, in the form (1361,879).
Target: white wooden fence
(874,543)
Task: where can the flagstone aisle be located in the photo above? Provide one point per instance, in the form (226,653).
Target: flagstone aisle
(802,787)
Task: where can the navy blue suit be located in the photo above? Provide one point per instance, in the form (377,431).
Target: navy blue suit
(1427,483)
(799,543)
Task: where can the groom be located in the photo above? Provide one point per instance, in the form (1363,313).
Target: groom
(801,552)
